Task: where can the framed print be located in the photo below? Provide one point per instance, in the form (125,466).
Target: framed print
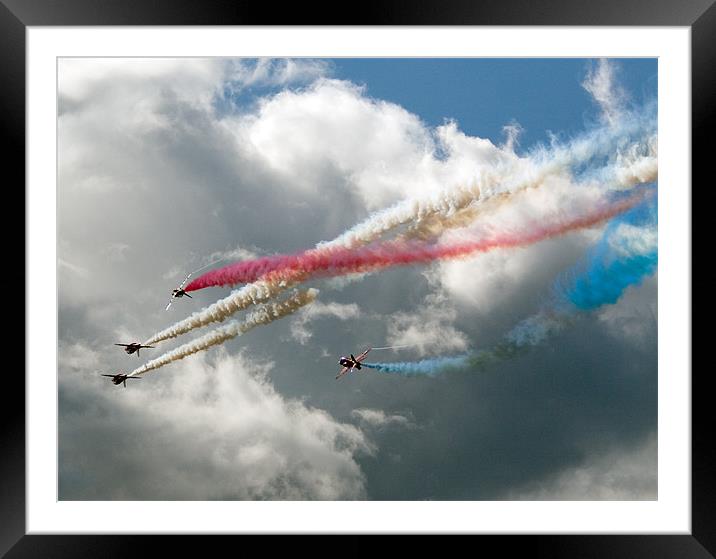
(395,275)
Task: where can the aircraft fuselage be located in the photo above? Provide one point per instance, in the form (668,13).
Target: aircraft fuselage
(348,362)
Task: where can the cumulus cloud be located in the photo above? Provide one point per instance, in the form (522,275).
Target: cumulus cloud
(635,318)
(235,254)
(88,80)
(378,150)
(214,429)
(78,356)
(379,418)
(630,239)
(300,330)
(518,277)
(244,73)
(614,475)
(147,160)
(430,329)
(332,128)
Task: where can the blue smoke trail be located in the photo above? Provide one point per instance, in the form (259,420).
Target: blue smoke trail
(622,258)
(527,334)
(430,367)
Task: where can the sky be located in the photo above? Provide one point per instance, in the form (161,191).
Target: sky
(166,165)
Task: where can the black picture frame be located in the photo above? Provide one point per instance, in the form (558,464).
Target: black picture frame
(16,15)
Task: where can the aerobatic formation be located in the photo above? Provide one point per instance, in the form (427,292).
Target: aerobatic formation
(604,179)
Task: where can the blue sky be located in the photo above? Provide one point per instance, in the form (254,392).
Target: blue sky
(543,95)
(484,94)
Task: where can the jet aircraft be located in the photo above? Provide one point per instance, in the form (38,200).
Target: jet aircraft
(121,378)
(350,363)
(133,347)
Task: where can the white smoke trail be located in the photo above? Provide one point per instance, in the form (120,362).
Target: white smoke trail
(634,162)
(263,315)
(251,294)
(635,165)
(520,174)
(265,289)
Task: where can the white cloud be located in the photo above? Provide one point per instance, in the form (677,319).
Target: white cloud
(629,240)
(332,129)
(634,317)
(299,325)
(429,330)
(209,430)
(87,79)
(78,356)
(615,475)
(238,254)
(173,272)
(602,86)
(147,161)
(274,72)
(487,281)
(379,419)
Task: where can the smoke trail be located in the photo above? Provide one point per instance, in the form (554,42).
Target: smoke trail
(624,256)
(636,165)
(432,226)
(629,133)
(459,206)
(264,315)
(402,253)
(342,261)
(449,208)
(252,294)
(527,334)
(360,235)
(429,367)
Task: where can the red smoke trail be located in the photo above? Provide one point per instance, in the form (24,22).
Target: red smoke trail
(247,271)
(337,261)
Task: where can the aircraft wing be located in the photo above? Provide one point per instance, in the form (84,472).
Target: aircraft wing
(146,346)
(169,304)
(185,280)
(107,375)
(124,345)
(343,372)
(183,283)
(362,355)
